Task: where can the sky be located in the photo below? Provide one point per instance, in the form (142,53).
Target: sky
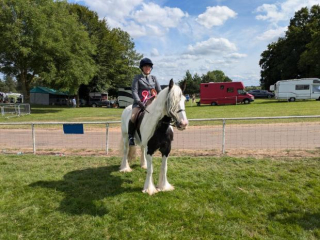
(201,35)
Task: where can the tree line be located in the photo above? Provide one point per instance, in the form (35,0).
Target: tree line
(193,82)
(63,46)
(297,54)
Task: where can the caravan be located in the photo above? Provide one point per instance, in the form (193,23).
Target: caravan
(294,89)
(124,97)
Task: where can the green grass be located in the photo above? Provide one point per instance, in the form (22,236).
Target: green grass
(51,197)
(259,108)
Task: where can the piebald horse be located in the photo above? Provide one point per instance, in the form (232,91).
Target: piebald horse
(156,133)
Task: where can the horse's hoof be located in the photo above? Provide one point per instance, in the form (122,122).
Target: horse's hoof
(150,191)
(126,170)
(166,188)
(144,166)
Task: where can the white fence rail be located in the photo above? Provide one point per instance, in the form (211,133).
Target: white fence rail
(8,109)
(220,134)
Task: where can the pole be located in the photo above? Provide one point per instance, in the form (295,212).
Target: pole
(33,139)
(223,136)
(107,138)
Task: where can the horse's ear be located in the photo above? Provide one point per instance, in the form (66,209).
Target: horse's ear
(183,85)
(171,83)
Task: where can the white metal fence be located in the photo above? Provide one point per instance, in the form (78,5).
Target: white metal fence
(221,135)
(8,110)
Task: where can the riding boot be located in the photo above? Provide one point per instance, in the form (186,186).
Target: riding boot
(131,131)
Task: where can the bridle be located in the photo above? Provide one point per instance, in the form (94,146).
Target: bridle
(174,120)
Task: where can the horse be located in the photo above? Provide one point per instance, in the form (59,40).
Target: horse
(155,133)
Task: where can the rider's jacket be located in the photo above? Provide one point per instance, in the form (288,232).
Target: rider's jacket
(141,83)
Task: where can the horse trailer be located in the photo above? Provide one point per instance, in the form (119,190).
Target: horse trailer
(220,93)
(294,89)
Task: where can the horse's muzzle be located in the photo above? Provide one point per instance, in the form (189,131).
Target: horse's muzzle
(182,125)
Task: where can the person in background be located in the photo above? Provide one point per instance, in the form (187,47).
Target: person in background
(141,82)
(74,102)
(193,98)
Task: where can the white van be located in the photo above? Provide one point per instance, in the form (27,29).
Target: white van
(291,90)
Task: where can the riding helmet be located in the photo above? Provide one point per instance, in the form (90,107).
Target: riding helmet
(145,61)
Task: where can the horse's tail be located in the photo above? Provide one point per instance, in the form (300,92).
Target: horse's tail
(132,153)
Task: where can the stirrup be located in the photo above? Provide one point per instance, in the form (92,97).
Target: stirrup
(131,142)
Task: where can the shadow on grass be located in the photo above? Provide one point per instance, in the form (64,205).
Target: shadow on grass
(308,221)
(84,188)
(44,110)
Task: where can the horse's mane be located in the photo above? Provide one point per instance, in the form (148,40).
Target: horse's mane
(170,100)
(173,100)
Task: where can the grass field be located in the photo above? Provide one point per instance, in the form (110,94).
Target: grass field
(52,197)
(259,108)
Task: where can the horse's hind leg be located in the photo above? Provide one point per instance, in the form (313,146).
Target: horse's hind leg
(143,161)
(163,184)
(125,167)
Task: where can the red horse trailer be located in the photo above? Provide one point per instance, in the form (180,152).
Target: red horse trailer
(220,93)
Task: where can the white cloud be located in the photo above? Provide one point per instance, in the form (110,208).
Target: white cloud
(212,46)
(154,52)
(272,34)
(167,65)
(152,13)
(236,55)
(215,16)
(218,62)
(189,56)
(282,11)
(136,17)
(112,9)
(135,30)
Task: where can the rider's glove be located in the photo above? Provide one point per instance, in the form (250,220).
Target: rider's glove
(141,105)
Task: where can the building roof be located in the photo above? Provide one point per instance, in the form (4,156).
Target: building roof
(47,90)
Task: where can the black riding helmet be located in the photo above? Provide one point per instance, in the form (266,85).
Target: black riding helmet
(145,61)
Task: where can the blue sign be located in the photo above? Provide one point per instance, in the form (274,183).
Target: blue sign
(73,128)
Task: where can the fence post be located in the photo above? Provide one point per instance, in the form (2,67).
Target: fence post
(107,138)
(2,110)
(19,113)
(223,135)
(33,139)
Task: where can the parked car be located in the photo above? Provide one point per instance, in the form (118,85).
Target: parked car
(261,94)
(99,103)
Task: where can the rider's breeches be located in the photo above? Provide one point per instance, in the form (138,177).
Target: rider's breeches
(134,114)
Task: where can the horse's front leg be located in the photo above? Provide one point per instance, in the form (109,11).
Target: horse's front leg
(125,167)
(163,184)
(143,161)
(149,185)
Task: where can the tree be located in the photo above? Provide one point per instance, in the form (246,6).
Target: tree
(215,76)
(310,58)
(115,58)
(192,83)
(296,55)
(10,83)
(271,64)
(42,39)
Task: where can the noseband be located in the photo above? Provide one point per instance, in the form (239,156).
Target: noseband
(174,119)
